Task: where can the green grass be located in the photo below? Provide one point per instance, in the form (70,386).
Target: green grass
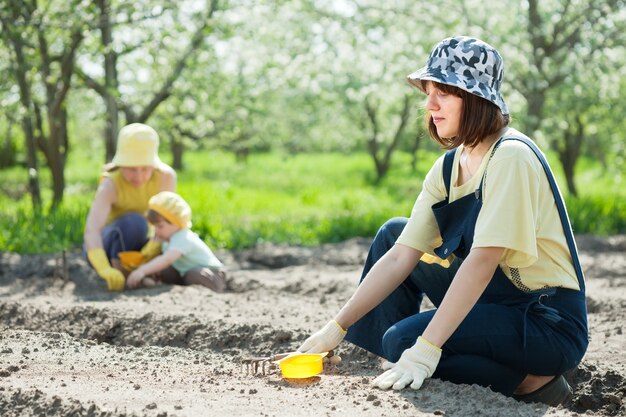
(597,214)
(302,199)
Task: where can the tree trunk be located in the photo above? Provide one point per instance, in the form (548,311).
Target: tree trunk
(20,70)
(177,148)
(56,162)
(7,153)
(55,146)
(110,129)
(382,162)
(110,80)
(536,101)
(570,152)
(33,172)
(415,146)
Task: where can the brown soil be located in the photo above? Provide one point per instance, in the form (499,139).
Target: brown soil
(68,347)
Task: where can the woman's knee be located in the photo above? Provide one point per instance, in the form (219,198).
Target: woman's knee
(394,226)
(127,232)
(134,222)
(395,341)
(390,230)
(404,333)
(133,230)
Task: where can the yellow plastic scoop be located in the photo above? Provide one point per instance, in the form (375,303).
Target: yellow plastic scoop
(302,365)
(130,260)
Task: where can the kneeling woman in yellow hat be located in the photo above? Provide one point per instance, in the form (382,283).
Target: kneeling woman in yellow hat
(115,222)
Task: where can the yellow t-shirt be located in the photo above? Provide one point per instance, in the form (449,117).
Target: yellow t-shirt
(518,214)
(130,198)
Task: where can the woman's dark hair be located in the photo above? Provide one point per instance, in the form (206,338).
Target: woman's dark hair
(479,118)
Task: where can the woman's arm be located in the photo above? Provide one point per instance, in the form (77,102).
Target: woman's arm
(467,286)
(98,214)
(384,277)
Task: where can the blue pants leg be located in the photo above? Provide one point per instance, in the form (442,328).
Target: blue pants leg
(486,349)
(405,300)
(489,347)
(127,232)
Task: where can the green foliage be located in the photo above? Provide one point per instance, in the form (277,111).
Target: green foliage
(597,214)
(23,231)
(304,199)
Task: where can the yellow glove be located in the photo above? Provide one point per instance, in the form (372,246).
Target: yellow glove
(114,278)
(151,250)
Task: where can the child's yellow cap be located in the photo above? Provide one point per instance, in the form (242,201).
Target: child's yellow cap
(173,207)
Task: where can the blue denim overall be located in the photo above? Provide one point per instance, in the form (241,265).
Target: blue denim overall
(127,232)
(508,334)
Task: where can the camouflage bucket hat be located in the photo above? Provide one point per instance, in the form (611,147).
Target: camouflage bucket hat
(467,63)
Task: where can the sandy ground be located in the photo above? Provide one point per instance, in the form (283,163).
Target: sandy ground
(68,347)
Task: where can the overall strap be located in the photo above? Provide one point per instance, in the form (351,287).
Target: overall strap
(560,205)
(448,161)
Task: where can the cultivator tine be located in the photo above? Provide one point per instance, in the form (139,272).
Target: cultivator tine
(256,365)
(260,365)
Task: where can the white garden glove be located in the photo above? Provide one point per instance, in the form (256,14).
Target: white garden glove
(415,365)
(324,340)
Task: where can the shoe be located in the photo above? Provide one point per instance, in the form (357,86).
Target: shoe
(555,392)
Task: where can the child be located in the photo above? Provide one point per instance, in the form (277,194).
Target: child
(186,259)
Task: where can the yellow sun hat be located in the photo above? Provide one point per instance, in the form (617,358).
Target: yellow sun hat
(137,145)
(173,207)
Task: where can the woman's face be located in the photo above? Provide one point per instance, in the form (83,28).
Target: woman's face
(137,176)
(445,110)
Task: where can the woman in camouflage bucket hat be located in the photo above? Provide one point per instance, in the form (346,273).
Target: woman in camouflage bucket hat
(467,63)
(495,254)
